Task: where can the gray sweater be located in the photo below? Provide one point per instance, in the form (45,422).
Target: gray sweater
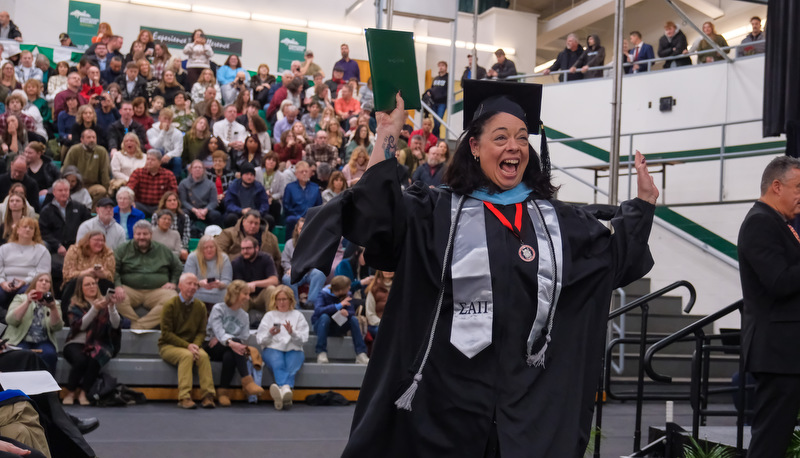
(198,194)
(23,261)
(224,324)
(225,275)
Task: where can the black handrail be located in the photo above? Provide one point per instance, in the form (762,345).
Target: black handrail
(699,324)
(645,299)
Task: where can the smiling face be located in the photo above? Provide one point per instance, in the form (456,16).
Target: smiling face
(97,242)
(503,150)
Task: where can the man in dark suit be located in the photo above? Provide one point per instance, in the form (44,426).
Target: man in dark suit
(769,265)
(640,51)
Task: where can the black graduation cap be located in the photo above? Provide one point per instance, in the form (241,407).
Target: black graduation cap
(522,100)
(519,99)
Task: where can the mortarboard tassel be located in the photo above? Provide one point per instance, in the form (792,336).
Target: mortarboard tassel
(544,152)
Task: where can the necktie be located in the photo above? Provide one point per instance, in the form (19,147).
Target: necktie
(636,54)
(230,132)
(794,232)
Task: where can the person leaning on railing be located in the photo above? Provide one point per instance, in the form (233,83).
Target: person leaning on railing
(711,56)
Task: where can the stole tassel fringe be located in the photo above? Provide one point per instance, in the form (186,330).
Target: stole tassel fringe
(404,401)
(537,360)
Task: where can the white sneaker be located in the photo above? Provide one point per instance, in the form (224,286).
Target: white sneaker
(277,397)
(362,358)
(322,358)
(286,396)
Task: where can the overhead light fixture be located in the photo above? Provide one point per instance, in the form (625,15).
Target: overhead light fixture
(542,67)
(163,4)
(335,27)
(221,12)
(279,20)
(431,40)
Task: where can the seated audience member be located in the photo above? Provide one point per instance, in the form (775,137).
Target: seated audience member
(244,194)
(322,97)
(300,195)
(94,337)
(17,173)
(337,81)
(168,141)
(258,270)
(59,221)
(113,71)
(183,331)
(101,57)
(261,83)
(90,256)
(41,168)
(106,112)
(346,105)
(15,102)
(232,90)
(320,151)
(169,88)
(756,36)
(315,279)
(184,115)
(274,182)
(312,118)
(104,223)
(377,295)
(413,155)
(354,267)
(430,173)
(165,235)
(194,141)
(77,192)
(92,163)
(151,182)
(593,56)
(26,70)
(127,159)
(198,195)
(65,120)
(219,174)
(33,319)
(131,84)
(33,90)
(251,154)
(140,113)
(92,85)
(73,89)
(57,82)
(209,95)
(230,239)
(356,167)
(115,96)
(125,213)
(336,184)
(427,133)
(161,56)
(125,124)
(673,43)
(181,223)
(335,299)
(21,259)
(213,113)
(503,68)
(87,119)
(289,150)
(711,56)
(285,124)
(360,139)
(15,138)
(147,274)
(212,267)
(205,81)
(229,70)
(281,335)
(14,211)
(226,340)
(231,132)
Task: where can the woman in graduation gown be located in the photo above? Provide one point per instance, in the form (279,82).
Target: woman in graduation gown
(477,358)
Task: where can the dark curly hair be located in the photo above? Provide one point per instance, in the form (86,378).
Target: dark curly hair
(464,174)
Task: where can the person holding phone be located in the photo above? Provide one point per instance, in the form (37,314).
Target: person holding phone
(33,319)
(226,341)
(199,54)
(281,335)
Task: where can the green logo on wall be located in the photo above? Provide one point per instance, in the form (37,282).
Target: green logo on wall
(82,21)
(292,47)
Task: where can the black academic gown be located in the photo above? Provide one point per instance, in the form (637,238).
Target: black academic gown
(538,412)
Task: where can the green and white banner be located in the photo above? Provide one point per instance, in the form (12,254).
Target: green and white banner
(82,22)
(292,46)
(177,39)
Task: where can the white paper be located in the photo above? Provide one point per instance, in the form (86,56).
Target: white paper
(143,331)
(339,318)
(30,382)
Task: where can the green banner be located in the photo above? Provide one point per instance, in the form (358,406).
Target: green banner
(291,46)
(82,22)
(177,39)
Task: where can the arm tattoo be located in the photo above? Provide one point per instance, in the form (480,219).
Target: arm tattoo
(389,146)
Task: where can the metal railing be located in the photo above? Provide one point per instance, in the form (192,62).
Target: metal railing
(605,378)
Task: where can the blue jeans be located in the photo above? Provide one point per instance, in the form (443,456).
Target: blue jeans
(325,327)
(283,364)
(49,354)
(439,108)
(174,165)
(373,330)
(315,281)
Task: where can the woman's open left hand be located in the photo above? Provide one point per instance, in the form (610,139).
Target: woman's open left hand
(646,185)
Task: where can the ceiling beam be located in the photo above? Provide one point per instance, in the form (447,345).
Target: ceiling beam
(705,7)
(585,14)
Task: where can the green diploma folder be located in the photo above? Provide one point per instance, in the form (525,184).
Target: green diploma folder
(393,64)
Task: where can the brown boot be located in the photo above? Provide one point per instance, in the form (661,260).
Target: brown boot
(224,397)
(250,387)
(69,398)
(208,402)
(187,403)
